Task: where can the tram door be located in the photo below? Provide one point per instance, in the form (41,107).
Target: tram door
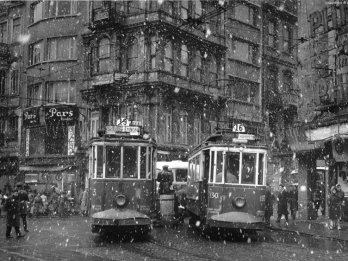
(204,189)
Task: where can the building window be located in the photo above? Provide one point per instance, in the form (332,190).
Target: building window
(272,80)
(184,9)
(197,69)
(14,81)
(61,48)
(34,95)
(167,127)
(132,54)
(153,51)
(244,91)
(168,57)
(245,14)
(133,7)
(16,29)
(101,59)
(36,53)
(56,139)
(287,39)
(13,128)
(198,8)
(168,6)
(197,130)
(3,80)
(3,32)
(61,92)
(184,61)
(213,75)
(272,34)
(244,51)
(94,124)
(183,128)
(52,8)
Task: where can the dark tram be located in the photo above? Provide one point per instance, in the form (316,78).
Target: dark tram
(122,185)
(226,183)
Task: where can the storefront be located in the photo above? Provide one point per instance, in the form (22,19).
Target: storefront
(49,148)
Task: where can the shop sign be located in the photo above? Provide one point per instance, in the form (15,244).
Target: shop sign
(62,113)
(246,136)
(31,117)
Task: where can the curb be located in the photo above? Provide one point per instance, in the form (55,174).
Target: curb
(307,233)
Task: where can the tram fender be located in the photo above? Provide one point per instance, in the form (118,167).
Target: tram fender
(237,217)
(119,214)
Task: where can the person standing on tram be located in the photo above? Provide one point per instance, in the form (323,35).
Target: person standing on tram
(165,179)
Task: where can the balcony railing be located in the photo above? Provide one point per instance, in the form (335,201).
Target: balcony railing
(290,98)
(106,17)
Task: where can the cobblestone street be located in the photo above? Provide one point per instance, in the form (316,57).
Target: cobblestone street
(71,239)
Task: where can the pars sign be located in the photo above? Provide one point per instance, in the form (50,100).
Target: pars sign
(58,114)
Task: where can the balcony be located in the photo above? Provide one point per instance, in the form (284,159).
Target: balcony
(290,98)
(103,17)
(273,100)
(5,55)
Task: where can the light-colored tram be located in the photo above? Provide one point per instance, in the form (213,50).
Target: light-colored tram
(226,184)
(122,185)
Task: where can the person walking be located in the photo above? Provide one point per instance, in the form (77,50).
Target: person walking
(12,206)
(23,201)
(283,204)
(340,195)
(293,201)
(83,202)
(269,200)
(334,208)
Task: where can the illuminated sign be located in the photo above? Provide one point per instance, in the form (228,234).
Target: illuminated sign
(31,117)
(62,113)
(132,130)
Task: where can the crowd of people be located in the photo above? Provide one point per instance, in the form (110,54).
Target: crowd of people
(24,201)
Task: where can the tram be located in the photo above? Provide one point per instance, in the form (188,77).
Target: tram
(122,185)
(226,183)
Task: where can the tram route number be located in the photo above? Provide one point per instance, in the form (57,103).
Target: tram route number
(213,195)
(238,128)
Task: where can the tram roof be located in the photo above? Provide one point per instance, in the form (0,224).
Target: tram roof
(225,139)
(123,138)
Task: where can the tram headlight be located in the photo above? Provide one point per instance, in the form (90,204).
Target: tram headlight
(120,200)
(239,202)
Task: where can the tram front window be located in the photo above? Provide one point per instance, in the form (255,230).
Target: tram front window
(232,167)
(261,164)
(130,162)
(219,165)
(113,162)
(248,168)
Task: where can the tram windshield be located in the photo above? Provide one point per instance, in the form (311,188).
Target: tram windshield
(235,167)
(125,162)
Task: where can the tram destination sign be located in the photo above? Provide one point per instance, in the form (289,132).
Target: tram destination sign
(120,129)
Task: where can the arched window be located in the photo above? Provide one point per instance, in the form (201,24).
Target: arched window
(132,54)
(197,70)
(184,61)
(213,75)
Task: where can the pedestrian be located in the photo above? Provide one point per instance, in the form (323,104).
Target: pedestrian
(62,204)
(12,206)
(37,204)
(44,203)
(293,201)
(1,203)
(334,208)
(83,202)
(340,195)
(283,204)
(23,201)
(269,201)
(165,179)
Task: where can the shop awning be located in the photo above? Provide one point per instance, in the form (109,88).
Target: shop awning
(40,169)
(298,140)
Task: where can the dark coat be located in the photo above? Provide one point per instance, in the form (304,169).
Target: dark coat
(165,179)
(23,199)
(12,206)
(269,200)
(293,199)
(334,206)
(283,203)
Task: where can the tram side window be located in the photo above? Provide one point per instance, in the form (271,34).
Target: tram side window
(197,175)
(261,165)
(219,164)
(113,162)
(232,167)
(99,162)
(130,163)
(212,165)
(191,170)
(248,168)
(143,170)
